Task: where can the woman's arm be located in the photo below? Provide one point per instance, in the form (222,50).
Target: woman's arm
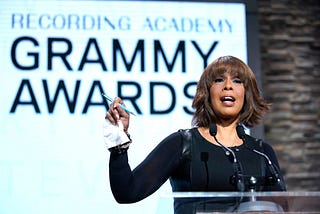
(129,186)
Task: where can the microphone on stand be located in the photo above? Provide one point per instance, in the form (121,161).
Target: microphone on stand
(254,205)
(236,165)
(272,168)
(204,156)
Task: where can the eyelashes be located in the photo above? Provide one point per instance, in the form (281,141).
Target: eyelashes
(235,80)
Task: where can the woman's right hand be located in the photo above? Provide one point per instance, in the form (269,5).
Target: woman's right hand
(115,114)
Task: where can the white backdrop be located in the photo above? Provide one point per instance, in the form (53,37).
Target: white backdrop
(57,57)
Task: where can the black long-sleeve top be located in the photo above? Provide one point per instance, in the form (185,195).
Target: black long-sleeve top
(192,164)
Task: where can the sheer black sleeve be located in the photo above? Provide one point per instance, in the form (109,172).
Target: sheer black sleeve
(129,186)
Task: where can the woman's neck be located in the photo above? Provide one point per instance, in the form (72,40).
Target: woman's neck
(226,134)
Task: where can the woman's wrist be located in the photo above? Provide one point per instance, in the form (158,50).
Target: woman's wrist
(122,148)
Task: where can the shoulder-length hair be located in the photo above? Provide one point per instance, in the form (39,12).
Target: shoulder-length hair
(254,106)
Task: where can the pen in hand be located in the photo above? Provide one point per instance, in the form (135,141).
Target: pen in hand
(122,106)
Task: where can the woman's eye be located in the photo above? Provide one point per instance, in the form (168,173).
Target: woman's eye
(218,80)
(239,81)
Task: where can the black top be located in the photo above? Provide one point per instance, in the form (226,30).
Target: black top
(192,164)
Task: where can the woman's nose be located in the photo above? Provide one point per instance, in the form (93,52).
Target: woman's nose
(228,85)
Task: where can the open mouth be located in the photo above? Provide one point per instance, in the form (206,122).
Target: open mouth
(227,99)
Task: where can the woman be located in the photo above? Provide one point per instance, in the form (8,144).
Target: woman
(214,155)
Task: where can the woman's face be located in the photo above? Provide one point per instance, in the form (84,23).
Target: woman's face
(227,96)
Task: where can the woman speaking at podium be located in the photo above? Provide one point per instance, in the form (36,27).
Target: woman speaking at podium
(214,155)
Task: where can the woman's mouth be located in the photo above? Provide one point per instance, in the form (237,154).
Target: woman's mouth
(228,100)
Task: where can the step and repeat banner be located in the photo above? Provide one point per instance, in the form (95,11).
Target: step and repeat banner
(56,59)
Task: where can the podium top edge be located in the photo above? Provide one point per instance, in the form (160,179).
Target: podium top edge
(240,194)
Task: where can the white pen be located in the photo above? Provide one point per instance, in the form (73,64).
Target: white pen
(122,106)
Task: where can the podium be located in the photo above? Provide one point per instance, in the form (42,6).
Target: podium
(238,202)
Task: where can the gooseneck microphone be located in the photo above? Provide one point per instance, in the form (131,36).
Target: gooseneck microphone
(204,156)
(275,172)
(228,151)
(236,165)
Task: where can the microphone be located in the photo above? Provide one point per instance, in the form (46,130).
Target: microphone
(228,151)
(204,156)
(236,165)
(241,133)
(272,168)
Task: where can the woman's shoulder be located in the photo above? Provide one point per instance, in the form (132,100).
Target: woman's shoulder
(180,135)
(257,142)
(186,140)
(187,133)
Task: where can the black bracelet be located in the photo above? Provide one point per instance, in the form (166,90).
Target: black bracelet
(121,148)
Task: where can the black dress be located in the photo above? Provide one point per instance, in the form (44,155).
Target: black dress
(192,164)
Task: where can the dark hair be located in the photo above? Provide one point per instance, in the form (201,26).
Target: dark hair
(254,105)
